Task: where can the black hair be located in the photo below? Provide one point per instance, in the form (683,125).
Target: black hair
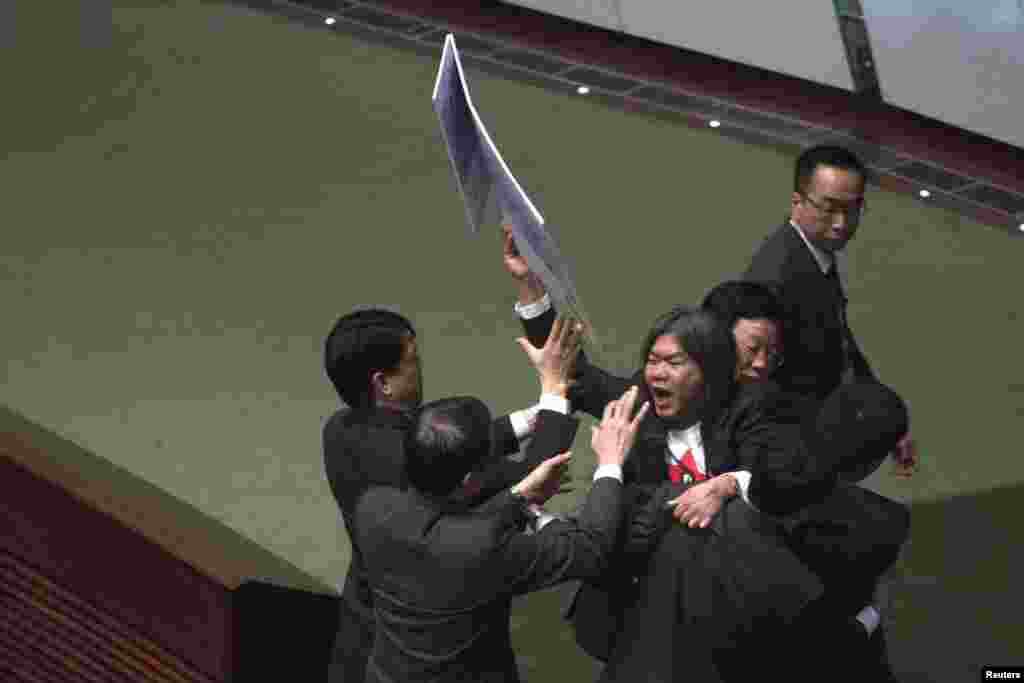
(825,155)
(858,425)
(449,439)
(361,343)
(741,299)
(707,340)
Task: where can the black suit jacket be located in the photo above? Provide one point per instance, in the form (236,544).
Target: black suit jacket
(704,600)
(722,604)
(813,333)
(443,577)
(364,448)
(849,539)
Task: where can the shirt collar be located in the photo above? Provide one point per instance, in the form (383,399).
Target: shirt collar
(690,433)
(825,261)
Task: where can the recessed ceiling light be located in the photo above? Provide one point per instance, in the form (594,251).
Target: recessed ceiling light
(583,90)
(330,21)
(1021,227)
(715,124)
(925,194)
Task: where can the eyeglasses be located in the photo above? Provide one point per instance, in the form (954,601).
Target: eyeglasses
(853,211)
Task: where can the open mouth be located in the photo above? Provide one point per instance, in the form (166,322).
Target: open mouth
(661,396)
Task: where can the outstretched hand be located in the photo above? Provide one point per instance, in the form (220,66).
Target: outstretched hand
(613,438)
(555,360)
(546,479)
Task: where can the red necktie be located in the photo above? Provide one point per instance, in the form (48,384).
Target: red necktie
(685,470)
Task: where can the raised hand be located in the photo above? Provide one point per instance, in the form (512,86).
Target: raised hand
(515,264)
(613,438)
(555,360)
(531,289)
(546,479)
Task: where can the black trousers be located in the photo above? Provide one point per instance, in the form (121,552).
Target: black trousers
(352,646)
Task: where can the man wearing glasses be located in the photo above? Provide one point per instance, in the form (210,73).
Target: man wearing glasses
(801,260)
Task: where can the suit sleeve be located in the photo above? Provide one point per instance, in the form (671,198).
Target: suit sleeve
(554,434)
(861,368)
(853,534)
(537,329)
(503,437)
(648,522)
(566,550)
(596,387)
(809,339)
(769,443)
(360,456)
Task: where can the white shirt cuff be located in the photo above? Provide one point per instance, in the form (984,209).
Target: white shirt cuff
(869,617)
(554,402)
(524,420)
(608,471)
(541,517)
(743,483)
(534,310)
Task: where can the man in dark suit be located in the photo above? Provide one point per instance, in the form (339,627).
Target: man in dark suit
(802,260)
(849,536)
(372,359)
(443,576)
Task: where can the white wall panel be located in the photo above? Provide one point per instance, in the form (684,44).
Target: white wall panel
(603,13)
(796,37)
(959,61)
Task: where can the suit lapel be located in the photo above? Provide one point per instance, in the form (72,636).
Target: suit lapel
(802,261)
(718,455)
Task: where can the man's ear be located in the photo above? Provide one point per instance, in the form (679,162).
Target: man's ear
(379,383)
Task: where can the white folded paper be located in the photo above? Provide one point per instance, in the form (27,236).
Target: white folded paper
(489,190)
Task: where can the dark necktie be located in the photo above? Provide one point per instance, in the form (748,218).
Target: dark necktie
(832,276)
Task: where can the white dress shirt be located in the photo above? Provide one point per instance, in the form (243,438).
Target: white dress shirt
(682,440)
